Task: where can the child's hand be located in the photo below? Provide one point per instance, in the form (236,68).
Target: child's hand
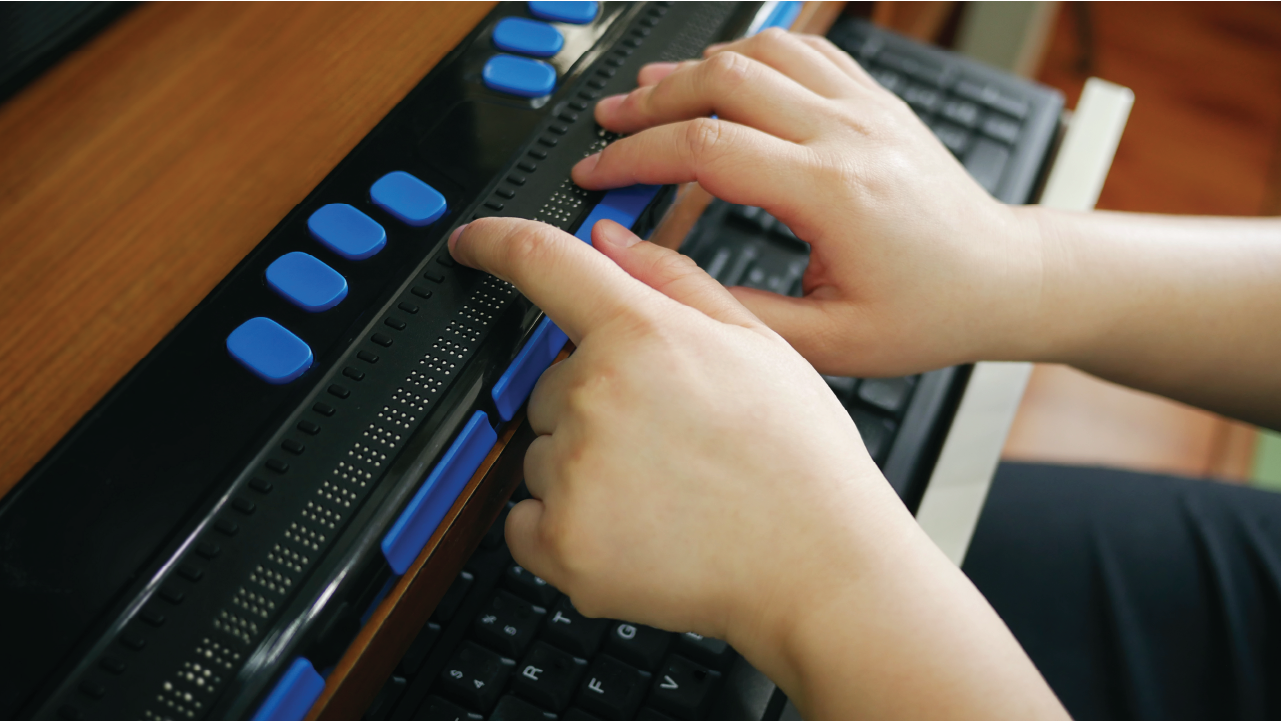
(914,266)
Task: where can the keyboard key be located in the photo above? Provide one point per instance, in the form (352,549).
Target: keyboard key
(922,99)
(992,97)
(684,688)
(515,75)
(438,709)
(510,708)
(1003,129)
(953,138)
(711,652)
(877,432)
(306,282)
(612,690)
(418,650)
(408,199)
(649,714)
(756,278)
(739,267)
(508,624)
(548,677)
(453,598)
(755,217)
(577,13)
(572,631)
(577,714)
(986,161)
(638,645)
(269,350)
(916,68)
(527,37)
(888,394)
(475,677)
(961,112)
(529,587)
(888,79)
(347,231)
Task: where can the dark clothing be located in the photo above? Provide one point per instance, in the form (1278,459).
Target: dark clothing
(1137,596)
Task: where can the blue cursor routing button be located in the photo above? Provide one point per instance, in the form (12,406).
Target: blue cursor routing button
(409,199)
(518,380)
(527,37)
(622,205)
(293,695)
(306,282)
(564,11)
(429,505)
(515,75)
(347,231)
(269,350)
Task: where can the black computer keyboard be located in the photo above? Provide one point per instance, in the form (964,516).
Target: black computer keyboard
(503,645)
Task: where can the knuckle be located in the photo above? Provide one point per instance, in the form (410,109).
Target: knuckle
(531,245)
(730,69)
(703,139)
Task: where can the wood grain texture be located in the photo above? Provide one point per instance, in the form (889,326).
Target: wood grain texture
(139,171)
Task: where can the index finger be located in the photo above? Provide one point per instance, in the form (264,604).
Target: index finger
(576,286)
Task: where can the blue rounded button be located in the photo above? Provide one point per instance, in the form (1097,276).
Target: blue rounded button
(564,11)
(269,350)
(347,231)
(408,199)
(515,75)
(528,37)
(306,282)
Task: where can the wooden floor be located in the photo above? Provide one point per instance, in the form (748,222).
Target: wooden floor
(1204,137)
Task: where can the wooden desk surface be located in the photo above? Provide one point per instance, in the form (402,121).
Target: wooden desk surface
(139,171)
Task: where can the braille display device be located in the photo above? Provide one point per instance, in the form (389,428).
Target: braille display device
(210,539)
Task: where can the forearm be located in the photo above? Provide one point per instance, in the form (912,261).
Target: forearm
(1189,308)
(890,629)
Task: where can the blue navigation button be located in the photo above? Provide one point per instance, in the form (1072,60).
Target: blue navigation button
(621,205)
(515,75)
(409,199)
(528,37)
(514,386)
(564,11)
(293,695)
(436,496)
(347,231)
(269,350)
(306,282)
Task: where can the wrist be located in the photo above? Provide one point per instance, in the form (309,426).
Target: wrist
(1032,323)
(812,595)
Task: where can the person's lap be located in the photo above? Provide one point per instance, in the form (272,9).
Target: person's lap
(1137,596)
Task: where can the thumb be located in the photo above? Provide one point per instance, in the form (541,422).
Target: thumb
(670,273)
(525,540)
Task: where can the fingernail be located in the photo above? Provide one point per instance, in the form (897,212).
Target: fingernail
(608,104)
(588,164)
(616,234)
(453,237)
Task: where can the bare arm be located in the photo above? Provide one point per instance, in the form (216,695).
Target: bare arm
(1186,307)
(914,266)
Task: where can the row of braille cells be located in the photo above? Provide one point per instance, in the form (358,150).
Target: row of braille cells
(277,355)
(274,353)
(525,76)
